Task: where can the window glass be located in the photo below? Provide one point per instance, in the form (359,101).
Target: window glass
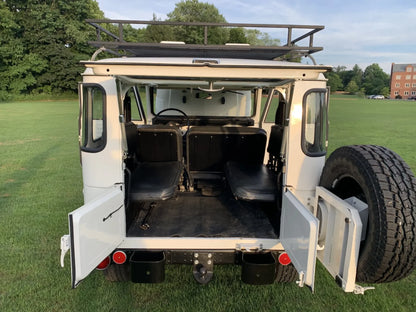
(271,114)
(97,113)
(93,118)
(197,102)
(315,123)
(135,114)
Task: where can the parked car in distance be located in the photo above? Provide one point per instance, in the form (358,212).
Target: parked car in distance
(377,97)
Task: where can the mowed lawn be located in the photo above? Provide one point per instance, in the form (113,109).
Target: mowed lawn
(40,182)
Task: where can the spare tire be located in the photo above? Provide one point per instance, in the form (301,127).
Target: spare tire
(380,178)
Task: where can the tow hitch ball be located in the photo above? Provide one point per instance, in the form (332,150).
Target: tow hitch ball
(203,267)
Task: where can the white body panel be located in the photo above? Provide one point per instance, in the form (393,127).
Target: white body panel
(303,172)
(96,229)
(227,68)
(299,236)
(197,243)
(340,237)
(103,169)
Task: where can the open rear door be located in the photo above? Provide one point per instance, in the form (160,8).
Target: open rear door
(299,237)
(96,229)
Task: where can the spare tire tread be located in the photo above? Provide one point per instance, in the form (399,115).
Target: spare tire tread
(286,273)
(389,186)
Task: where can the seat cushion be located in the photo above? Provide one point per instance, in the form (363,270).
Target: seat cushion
(155,181)
(250,181)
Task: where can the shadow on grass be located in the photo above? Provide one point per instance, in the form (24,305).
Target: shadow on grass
(13,183)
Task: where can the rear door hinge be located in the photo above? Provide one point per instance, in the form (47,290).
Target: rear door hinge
(301,281)
(65,246)
(247,247)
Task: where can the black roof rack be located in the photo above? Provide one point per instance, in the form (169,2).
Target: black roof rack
(116,44)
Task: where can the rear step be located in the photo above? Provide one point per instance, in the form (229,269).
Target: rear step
(147,266)
(258,269)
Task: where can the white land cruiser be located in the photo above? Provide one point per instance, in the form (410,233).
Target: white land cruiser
(207,155)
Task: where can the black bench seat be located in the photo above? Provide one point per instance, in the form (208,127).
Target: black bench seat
(158,150)
(155,181)
(251,181)
(254,181)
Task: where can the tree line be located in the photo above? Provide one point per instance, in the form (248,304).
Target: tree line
(43,41)
(373,80)
(41,44)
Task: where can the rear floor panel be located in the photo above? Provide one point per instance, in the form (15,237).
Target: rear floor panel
(193,215)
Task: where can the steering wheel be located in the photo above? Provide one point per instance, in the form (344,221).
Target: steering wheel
(176,110)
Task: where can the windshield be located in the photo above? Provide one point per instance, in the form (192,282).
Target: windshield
(196,102)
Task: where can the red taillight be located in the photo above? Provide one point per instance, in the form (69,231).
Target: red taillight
(119,257)
(104,264)
(284,259)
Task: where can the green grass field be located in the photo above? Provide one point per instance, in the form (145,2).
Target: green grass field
(40,182)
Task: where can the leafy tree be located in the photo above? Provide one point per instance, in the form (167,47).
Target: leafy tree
(49,38)
(11,51)
(385,91)
(334,81)
(237,35)
(352,87)
(339,69)
(375,79)
(357,75)
(361,93)
(19,67)
(258,38)
(158,33)
(194,11)
(372,81)
(347,76)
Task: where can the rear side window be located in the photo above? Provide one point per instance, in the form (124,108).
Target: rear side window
(93,132)
(315,123)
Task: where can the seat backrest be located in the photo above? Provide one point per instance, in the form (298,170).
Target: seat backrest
(158,143)
(275,140)
(276,131)
(131,137)
(210,147)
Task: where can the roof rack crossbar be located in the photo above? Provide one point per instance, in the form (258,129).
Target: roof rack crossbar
(117,41)
(100,29)
(309,34)
(115,21)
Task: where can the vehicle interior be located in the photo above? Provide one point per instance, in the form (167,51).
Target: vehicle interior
(199,167)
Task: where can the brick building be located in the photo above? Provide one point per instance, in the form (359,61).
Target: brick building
(403,81)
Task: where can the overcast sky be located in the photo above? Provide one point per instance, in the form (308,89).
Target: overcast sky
(356,32)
